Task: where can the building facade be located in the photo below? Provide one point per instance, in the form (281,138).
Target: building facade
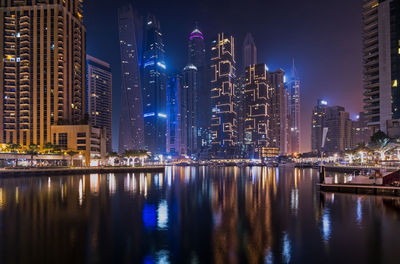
(87,141)
(43,70)
(223,119)
(131,126)
(100,96)
(154,87)
(381,60)
(361,132)
(257,110)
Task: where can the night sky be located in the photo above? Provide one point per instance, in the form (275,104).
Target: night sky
(323,37)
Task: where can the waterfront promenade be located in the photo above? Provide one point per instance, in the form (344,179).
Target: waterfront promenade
(76,170)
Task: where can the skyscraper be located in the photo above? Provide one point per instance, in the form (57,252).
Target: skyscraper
(197,51)
(43,68)
(223,120)
(293,87)
(338,138)
(381,59)
(339,125)
(188,103)
(197,57)
(279,111)
(174,84)
(249,52)
(154,86)
(257,110)
(100,96)
(131,127)
(361,133)
(317,126)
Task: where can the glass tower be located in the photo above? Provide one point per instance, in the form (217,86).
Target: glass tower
(154,87)
(131,127)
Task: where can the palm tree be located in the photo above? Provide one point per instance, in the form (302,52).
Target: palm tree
(48,148)
(383,146)
(33,150)
(72,153)
(13,148)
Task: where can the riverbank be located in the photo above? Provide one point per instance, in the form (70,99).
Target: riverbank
(72,171)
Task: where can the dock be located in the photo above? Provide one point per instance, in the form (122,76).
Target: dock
(5,173)
(360,189)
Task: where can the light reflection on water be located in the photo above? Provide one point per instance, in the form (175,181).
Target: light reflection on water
(196,215)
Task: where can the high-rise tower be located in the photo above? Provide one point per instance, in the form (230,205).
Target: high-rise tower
(197,51)
(197,58)
(100,96)
(223,120)
(293,87)
(131,127)
(249,52)
(188,111)
(279,111)
(154,86)
(257,110)
(42,70)
(381,59)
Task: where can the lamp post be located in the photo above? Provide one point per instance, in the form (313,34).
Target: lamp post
(81,158)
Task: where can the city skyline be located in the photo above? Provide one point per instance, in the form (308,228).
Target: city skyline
(272,57)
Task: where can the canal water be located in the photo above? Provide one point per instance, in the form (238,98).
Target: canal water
(194,215)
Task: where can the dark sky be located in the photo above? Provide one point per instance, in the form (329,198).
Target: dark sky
(324,38)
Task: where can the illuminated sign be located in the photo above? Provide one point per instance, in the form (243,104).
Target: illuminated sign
(162,115)
(149,114)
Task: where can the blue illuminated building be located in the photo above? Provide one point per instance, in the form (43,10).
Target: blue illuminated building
(154,87)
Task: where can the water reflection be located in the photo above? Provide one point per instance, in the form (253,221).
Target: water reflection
(197,215)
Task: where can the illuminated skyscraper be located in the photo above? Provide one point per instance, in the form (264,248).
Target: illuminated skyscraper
(100,96)
(197,57)
(42,70)
(188,102)
(257,110)
(197,51)
(381,59)
(223,120)
(131,127)
(154,87)
(293,87)
(249,52)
